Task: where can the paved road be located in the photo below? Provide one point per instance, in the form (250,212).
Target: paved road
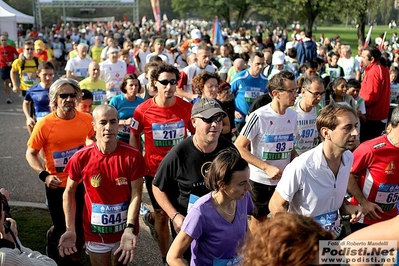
(24,185)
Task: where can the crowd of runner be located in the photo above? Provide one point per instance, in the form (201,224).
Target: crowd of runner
(265,123)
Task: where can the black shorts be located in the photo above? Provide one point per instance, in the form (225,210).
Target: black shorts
(148,184)
(261,195)
(5,72)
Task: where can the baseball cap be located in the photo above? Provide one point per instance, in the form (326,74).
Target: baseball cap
(207,108)
(39,45)
(195,34)
(278,58)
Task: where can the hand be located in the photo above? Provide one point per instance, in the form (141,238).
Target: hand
(13,226)
(178,222)
(127,246)
(354,211)
(109,86)
(273,172)
(370,210)
(14,89)
(30,122)
(238,115)
(67,245)
(52,182)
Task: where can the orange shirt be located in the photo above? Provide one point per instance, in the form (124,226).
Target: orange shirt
(60,139)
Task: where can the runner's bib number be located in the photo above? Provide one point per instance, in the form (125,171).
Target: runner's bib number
(40,115)
(108,219)
(99,97)
(168,134)
(227,262)
(30,78)
(191,200)
(252,94)
(81,73)
(387,196)
(277,147)
(330,222)
(61,158)
(124,130)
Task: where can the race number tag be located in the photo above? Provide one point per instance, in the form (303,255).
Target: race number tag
(168,134)
(30,78)
(124,130)
(40,115)
(108,219)
(387,196)
(227,262)
(61,158)
(251,94)
(277,147)
(193,198)
(81,73)
(330,222)
(99,97)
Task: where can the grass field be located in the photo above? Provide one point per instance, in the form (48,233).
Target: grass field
(349,35)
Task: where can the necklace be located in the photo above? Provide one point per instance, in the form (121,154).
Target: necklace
(220,206)
(196,144)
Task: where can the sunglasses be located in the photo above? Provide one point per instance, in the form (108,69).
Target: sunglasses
(66,95)
(210,120)
(165,82)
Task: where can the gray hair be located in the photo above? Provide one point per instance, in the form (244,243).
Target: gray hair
(394,117)
(56,86)
(307,82)
(82,45)
(105,108)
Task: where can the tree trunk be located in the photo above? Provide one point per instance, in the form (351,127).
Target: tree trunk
(362,24)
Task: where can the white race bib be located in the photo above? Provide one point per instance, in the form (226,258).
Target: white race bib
(108,219)
(168,134)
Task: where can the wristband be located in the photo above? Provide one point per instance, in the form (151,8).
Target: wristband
(128,225)
(174,216)
(43,174)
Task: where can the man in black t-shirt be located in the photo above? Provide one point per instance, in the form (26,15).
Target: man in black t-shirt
(179,180)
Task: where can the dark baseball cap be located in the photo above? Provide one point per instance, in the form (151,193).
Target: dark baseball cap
(207,107)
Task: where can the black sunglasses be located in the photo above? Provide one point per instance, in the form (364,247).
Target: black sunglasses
(66,95)
(210,120)
(165,82)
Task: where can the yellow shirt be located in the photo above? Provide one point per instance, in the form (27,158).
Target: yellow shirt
(96,53)
(98,89)
(28,76)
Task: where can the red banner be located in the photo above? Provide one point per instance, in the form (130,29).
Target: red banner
(156,9)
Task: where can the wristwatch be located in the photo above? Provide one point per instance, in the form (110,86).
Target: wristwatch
(128,225)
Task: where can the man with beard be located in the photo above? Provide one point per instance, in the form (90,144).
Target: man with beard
(60,134)
(315,183)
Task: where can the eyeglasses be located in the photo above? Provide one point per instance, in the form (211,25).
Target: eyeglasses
(289,91)
(213,87)
(316,94)
(210,120)
(66,95)
(165,82)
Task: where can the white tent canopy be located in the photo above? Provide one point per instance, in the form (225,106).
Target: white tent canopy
(10,17)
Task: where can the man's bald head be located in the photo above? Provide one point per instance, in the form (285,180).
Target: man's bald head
(239,65)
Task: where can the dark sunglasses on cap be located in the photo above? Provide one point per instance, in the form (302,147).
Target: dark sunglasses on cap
(66,95)
(210,120)
(165,82)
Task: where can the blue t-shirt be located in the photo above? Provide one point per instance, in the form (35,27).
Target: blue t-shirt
(125,111)
(246,89)
(41,101)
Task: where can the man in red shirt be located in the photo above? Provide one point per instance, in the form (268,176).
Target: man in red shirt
(7,54)
(376,93)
